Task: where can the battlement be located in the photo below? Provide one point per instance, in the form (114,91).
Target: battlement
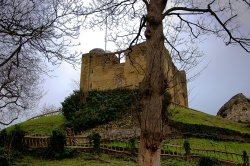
(109,70)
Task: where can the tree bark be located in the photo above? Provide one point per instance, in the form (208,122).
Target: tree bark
(152,87)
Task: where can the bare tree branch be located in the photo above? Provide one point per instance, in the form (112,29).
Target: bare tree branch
(2,123)
(31,33)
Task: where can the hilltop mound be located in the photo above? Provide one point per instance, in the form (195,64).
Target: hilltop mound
(188,122)
(236,109)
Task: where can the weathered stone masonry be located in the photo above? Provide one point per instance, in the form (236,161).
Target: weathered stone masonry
(101,70)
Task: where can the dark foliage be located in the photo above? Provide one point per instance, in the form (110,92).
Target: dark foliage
(100,107)
(187,147)
(16,137)
(57,140)
(5,158)
(95,139)
(11,145)
(71,104)
(245,158)
(69,153)
(131,146)
(209,161)
(56,145)
(210,132)
(3,137)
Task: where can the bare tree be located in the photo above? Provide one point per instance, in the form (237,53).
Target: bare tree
(32,33)
(19,88)
(176,24)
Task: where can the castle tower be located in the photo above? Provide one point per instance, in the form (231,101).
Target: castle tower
(101,70)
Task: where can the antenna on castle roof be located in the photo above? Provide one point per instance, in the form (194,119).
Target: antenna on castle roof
(106,30)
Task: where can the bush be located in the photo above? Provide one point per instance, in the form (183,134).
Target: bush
(55,148)
(68,153)
(100,107)
(5,158)
(95,138)
(15,138)
(3,137)
(131,146)
(57,140)
(209,161)
(71,104)
(245,159)
(187,147)
(11,144)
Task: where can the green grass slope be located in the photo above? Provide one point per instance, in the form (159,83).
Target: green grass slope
(45,125)
(41,126)
(195,117)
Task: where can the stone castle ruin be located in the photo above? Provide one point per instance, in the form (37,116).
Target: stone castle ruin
(102,70)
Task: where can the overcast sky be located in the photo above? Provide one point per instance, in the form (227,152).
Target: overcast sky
(226,75)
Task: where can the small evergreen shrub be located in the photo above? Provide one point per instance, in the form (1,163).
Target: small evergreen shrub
(5,158)
(15,139)
(95,139)
(68,153)
(8,156)
(186,146)
(71,104)
(209,161)
(55,148)
(57,140)
(132,146)
(11,145)
(3,137)
(245,159)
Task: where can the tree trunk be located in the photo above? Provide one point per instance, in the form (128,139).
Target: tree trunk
(152,87)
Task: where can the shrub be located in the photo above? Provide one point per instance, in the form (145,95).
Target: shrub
(55,148)
(16,137)
(245,159)
(68,153)
(209,161)
(100,107)
(3,137)
(186,146)
(57,140)
(95,138)
(11,144)
(5,158)
(71,104)
(131,146)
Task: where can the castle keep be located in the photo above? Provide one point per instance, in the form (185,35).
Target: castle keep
(101,70)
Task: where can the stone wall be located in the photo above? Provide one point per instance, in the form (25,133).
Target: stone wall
(102,71)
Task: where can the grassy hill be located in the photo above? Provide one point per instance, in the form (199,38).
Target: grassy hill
(45,125)
(187,116)
(190,118)
(41,126)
